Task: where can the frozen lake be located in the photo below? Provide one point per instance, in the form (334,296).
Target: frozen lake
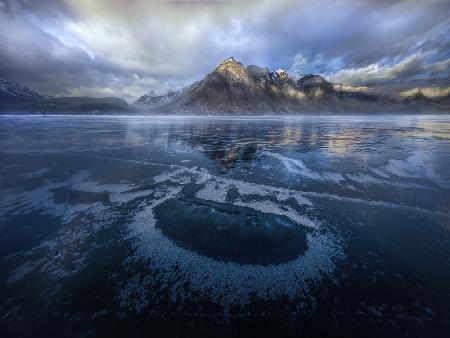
(131,225)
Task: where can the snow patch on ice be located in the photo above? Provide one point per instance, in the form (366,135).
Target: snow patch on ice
(274,209)
(37,173)
(213,191)
(296,166)
(23,270)
(226,283)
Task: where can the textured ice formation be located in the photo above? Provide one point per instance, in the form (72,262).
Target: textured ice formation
(226,283)
(416,166)
(297,167)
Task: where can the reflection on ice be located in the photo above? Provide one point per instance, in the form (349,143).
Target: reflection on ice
(230,212)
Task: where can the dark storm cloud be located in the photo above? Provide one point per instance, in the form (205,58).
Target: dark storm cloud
(125,48)
(57,65)
(349,35)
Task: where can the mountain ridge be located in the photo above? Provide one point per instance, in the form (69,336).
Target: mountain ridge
(12,91)
(235,89)
(232,88)
(18,99)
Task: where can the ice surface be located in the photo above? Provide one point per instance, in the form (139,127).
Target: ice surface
(359,194)
(296,166)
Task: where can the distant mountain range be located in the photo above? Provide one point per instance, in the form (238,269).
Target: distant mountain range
(233,89)
(17,99)
(13,92)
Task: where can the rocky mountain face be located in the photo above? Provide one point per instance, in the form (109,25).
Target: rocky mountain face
(82,105)
(233,88)
(154,99)
(13,92)
(418,99)
(229,86)
(315,85)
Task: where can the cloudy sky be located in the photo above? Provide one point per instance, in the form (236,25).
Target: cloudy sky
(126,48)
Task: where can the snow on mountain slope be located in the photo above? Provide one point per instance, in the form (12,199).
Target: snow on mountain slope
(11,91)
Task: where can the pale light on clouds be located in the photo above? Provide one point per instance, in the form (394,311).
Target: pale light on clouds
(127,48)
(406,68)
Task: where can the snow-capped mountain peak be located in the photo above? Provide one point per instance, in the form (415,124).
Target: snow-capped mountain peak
(11,91)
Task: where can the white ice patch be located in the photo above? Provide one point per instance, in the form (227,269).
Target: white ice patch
(295,166)
(381,173)
(213,191)
(274,209)
(37,173)
(226,283)
(419,165)
(64,255)
(173,176)
(366,179)
(403,173)
(22,271)
(81,181)
(217,190)
(18,202)
(332,177)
